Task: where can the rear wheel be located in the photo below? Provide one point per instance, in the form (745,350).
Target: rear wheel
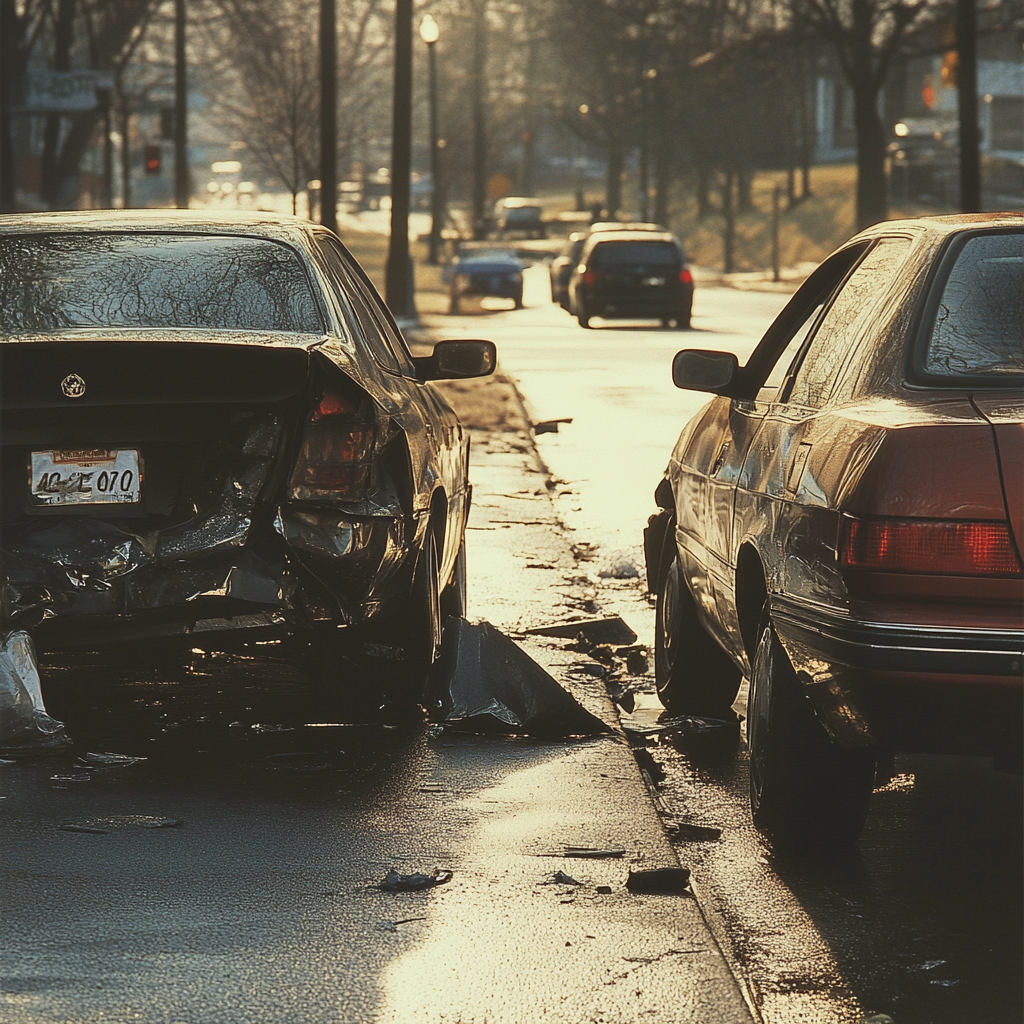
(693,674)
(582,314)
(804,792)
(453,597)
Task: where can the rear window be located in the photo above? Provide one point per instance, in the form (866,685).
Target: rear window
(978,325)
(209,282)
(631,254)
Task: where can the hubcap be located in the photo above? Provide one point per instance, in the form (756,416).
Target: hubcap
(758,711)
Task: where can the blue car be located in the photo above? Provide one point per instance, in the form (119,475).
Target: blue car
(486,272)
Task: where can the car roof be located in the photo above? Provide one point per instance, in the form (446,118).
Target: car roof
(950,224)
(599,227)
(292,230)
(607,237)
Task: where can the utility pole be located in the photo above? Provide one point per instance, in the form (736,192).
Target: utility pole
(397,290)
(328,116)
(479,123)
(182,186)
(7,16)
(430,33)
(967,97)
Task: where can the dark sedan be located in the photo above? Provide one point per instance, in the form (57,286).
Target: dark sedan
(843,523)
(213,432)
(632,275)
(494,273)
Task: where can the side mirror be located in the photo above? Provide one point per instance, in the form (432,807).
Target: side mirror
(700,370)
(458,360)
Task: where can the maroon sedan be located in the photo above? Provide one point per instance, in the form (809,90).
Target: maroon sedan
(843,523)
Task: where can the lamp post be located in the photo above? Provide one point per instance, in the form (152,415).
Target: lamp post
(182,184)
(397,283)
(429,33)
(328,116)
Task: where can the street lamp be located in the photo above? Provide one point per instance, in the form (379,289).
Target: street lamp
(398,292)
(429,33)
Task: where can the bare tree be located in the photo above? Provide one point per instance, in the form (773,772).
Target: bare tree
(866,35)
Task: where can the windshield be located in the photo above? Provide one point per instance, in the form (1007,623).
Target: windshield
(214,282)
(630,254)
(979,324)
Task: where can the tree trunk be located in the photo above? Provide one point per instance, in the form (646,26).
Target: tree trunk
(729,213)
(703,192)
(744,188)
(872,205)
(871,199)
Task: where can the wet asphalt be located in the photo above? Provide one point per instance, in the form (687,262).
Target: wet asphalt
(921,922)
(232,874)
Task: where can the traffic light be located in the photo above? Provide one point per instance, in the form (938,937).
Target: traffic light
(151,159)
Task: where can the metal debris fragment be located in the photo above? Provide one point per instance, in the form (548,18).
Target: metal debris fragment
(672,881)
(611,630)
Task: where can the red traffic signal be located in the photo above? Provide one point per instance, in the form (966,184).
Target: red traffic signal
(151,159)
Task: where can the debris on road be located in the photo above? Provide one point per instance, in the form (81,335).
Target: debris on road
(603,890)
(165,823)
(594,852)
(71,777)
(659,881)
(392,926)
(619,567)
(491,682)
(687,833)
(550,426)
(25,727)
(610,630)
(108,760)
(681,723)
(89,829)
(590,668)
(415,882)
(560,878)
(622,695)
(636,663)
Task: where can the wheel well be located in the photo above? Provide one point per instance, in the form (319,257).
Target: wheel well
(751,594)
(439,518)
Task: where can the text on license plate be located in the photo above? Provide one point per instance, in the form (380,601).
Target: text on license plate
(655,281)
(91,476)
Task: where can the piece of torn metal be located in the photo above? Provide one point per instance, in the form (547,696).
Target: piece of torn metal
(673,881)
(550,426)
(490,682)
(25,727)
(611,630)
(685,832)
(415,882)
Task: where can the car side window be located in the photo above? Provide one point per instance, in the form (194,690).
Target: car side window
(350,297)
(779,371)
(844,321)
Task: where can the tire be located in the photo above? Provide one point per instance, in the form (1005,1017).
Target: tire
(804,792)
(453,597)
(518,299)
(693,674)
(582,316)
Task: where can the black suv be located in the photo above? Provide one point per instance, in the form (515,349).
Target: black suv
(632,274)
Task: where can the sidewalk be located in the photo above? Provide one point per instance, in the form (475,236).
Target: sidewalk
(504,943)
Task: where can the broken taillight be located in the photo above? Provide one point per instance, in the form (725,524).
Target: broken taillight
(947,547)
(336,456)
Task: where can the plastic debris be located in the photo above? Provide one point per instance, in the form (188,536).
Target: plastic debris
(681,723)
(108,760)
(394,882)
(619,567)
(88,829)
(659,881)
(595,631)
(492,683)
(25,727)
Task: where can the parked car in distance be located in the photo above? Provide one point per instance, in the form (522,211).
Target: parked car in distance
(631,275)
(496,273)
(214,434)
(519,215)
(565,262)
(563,265)
(843,523)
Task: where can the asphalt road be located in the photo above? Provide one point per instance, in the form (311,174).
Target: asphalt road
(921,923)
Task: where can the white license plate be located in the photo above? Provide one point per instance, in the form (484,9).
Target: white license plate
(653,281)
(93,476)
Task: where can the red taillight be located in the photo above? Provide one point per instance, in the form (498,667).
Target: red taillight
(685,277)
(591,277)
(945,547)
(337,452)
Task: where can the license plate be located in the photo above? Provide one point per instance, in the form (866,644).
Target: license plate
(92,476)
(653,281)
